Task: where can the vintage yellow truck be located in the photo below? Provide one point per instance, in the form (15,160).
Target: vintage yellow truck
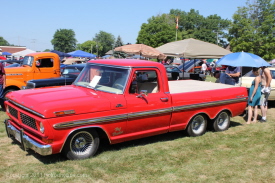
(38,65)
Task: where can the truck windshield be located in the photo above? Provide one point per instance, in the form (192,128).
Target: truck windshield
(103,78)
(27,60)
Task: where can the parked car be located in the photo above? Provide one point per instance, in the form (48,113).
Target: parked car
(247,79)
(14,65)
(11,63)
(174,73)
(68,76)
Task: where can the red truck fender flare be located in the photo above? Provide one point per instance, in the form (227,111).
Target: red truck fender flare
(99,129)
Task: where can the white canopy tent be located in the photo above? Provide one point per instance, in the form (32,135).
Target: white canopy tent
(193,48)
(23,53)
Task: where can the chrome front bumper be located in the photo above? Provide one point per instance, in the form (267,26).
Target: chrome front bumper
(27,142)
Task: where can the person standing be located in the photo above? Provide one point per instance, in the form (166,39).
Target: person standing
(254,96)
(266,80)
(213,67)
(203,67)
(234,74)
(2,85)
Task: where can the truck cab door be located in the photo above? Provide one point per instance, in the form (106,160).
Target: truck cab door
(149,108)
(46,68)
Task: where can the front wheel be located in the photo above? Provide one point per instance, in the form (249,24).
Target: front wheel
(197,126)
(81,145)
(221,122)
(6,92)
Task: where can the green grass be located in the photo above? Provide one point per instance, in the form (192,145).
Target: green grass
(244,153)
(210,79)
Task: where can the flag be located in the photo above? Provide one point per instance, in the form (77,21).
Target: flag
(177,21)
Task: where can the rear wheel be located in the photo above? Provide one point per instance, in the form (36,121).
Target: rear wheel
(197,126)
(221,122)
(81,145)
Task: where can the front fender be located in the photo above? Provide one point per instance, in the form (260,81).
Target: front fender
(12,83)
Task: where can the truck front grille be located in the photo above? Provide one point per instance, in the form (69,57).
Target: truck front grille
(27,120)
(13,112)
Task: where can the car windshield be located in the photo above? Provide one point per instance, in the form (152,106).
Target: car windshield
(27,60)
(71,71)
(103,78)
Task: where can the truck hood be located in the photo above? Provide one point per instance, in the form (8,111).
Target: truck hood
(18,70)
(47,101)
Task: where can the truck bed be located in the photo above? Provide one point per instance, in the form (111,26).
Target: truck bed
(193,85)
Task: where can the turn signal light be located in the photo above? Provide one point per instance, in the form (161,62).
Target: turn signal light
(62,113)
(47,141)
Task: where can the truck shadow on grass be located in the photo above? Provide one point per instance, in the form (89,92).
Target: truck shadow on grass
(105,146)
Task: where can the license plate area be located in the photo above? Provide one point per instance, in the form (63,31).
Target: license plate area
(17,136)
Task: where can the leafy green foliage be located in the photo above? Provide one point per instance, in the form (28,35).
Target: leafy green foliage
(87,46)
(64,40)
(193,25)
(253,29)
(158,31)
(162,28)
(3,42)
(104,42)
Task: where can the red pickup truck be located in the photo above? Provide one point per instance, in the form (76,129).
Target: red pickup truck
(110,99)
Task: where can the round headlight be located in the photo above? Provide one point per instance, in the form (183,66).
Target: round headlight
(41,127)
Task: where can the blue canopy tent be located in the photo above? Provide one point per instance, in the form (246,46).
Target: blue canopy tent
(6,53)
(61,54)
(80,53)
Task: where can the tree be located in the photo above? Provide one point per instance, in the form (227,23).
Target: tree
(118,42)
(162,28)
(211,29)
(87,46)
(64,40)
(158,31)
(253,29)
(3,42)
(104,43)
(119,54)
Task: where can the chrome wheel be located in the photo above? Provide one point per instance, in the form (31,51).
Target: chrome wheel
(81,144)
(197,126)
(222,122)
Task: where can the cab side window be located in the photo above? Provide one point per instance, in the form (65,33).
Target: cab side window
(145,81)
(46,62)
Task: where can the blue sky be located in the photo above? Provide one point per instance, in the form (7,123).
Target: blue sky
(32,23)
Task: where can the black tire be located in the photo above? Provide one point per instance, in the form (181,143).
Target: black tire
(221,122)
(6,92)
(81,145)
(197,126)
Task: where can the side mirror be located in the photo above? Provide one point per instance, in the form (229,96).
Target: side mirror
(142,93)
